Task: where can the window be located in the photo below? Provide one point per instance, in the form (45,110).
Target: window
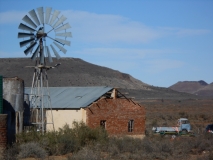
(130,125)
(103,124)
(185,122)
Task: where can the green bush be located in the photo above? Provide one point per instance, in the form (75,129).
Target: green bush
(84,134)
(29,136)
(72,139)
(65,140)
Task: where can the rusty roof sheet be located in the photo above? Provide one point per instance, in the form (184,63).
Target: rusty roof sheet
(73,97)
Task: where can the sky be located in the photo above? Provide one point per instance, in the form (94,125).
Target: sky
(159,42)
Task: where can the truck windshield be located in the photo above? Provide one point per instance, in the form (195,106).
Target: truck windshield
(185,122)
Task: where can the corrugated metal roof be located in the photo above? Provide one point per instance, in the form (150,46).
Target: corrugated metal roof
(74,97)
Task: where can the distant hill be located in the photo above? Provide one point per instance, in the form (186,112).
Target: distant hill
(200,88)
(205,91)
(76,72)
(71,72)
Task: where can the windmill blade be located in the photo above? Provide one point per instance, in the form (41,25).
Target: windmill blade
(54,16)
(60,21)
(30,51)
(31,43)
(55,52)
(23,35)
(25,27)
(34,16)
(30,48)
(47,15)
(48,54)
(35,53)
(29,21)
(41,14)
(23,43)
(42,56)
(66,34)
(55,40)
(63,41)
(60,47)
(66,26)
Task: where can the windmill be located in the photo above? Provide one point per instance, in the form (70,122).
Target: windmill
(43,29)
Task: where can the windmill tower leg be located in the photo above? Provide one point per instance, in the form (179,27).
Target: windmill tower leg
(49,102)
(40,99)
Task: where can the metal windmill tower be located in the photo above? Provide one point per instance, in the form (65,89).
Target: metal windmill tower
(39,31)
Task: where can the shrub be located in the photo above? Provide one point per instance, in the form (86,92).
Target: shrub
(211,155)
(31,149)
(49,141)
(72,139)
(183,115)
(65,140)
(86,154)
(204,117)
(87,143)
(30,136)
(84,134)
(154,123)
(11,152)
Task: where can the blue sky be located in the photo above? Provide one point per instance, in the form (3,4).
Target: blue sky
(159,42)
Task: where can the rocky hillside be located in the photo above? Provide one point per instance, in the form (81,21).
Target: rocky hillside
(200,88)
(76,72)
(205,91)
(71,72)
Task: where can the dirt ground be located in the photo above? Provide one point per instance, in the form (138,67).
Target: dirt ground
(63,157)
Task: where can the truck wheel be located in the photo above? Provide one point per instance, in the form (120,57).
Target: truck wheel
(162,133)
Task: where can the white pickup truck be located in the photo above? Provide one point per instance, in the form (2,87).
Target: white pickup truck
(183,127)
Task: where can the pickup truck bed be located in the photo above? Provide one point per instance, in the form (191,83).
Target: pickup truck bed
(166,129)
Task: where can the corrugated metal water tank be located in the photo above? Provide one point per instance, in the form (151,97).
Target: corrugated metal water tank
(14,92)
(1,94)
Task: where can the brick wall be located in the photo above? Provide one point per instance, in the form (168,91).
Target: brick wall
(117,113)
(3,133)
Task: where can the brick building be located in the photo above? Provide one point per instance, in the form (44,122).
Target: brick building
(96,106)
(118,116)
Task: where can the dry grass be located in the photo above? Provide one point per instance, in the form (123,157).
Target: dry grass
(149,148)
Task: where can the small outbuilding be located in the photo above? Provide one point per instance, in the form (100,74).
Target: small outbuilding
(96,106)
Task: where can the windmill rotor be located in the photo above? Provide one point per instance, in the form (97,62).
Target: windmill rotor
(44,33)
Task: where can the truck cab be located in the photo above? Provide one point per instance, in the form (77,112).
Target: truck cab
(184,125)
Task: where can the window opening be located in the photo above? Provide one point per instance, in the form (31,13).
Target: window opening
(103,124)
(130,125)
